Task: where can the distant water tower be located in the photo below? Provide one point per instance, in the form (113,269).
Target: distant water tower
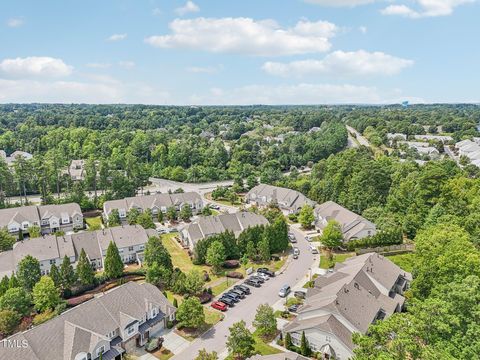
(405,104)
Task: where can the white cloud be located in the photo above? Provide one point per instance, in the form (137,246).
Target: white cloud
(34,67)
(126,64)
(427,8)
(204,69)
(340,63)
(290,94)
(246,36)
(189,7)
(15,22)
(97,90)
(98,65)
(117,37)
(340,3)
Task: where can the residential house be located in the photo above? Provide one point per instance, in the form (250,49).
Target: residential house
(13,156)
(155,202)
(50,218)
(105,327)
(76,170)
(353,226)
(206,226)
(289,200)
(442,138)
(396,136)
(51,249)
(359,292)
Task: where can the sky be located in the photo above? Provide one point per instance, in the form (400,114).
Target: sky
(227,52)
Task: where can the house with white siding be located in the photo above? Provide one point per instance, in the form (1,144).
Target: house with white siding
(106,327)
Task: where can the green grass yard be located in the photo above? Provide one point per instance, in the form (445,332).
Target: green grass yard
(326,264)
(405,261)
(94,223)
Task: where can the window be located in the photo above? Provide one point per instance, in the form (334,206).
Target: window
(142,247)
(130,248)
(52,261)
(130,330)
(101,350)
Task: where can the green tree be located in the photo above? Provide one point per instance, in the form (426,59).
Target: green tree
(55,275)
(67,274)
(155,252)
(306,217)
(263,248)
(145,219)
(9,320)
(251,251)
(194,282)
(6,240)
(160,217)
(288,341)
(158,275)
(204,355)
(132,216)
(13,282)
(332,235)
(171,214)
(113,265)
(304,346)
(45,295)
(114,218)
(4,285)
(28,273)
(186,213)
(265,320)
(16,299)
(207,211)
(240,342)
(190,313)
(34,231)
(216,256)
(85,272)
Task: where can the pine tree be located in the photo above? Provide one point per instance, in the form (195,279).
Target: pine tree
(288,341)
(55,275)
(13,282)
(175,302)
(304,346)
(85,272)
(264,250)
(113,262)
(4,285)
(67,274)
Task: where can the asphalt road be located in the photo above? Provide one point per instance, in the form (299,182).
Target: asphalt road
(361,139)
(215,339)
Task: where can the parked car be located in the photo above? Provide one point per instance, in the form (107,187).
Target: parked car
(295,256)
(161,231)
(293,308)
(300,294)
(219,306)
(253,282)
(266,271)
(309,238)
(257,278)
(239,293)
(214,206)
(234,297)
(262,276)
(227,301)
(243,288)
(284,291)
(292,238)
(314,249)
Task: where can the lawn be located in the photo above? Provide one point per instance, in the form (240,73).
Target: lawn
(94,223)
(224,285)
(262,348)
(405,261)
(211,318)
(325,264)
(180,257)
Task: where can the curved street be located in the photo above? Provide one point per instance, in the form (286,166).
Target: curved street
(297,272)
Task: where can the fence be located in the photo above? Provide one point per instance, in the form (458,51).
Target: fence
(402,248)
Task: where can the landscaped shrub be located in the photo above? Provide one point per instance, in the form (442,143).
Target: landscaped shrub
(234,275)
(382,238)
(231,264)
(79,300)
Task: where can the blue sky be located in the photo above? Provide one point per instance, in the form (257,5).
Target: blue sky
(239,52)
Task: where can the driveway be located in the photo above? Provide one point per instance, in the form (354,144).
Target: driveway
(296,273)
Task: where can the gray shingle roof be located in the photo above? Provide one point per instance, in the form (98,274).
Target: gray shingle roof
(282,356)
(354,294)
(34,213)
(206,226)
(286,198)
(80,328)
(150,201)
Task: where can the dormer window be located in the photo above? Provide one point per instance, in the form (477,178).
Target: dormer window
(154,312)
(130,330)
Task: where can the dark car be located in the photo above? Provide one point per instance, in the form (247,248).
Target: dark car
(234,297)
(293,308)
(258,278)
(239,293)
(227,301)
(243,289)
(300,294)
(266,271)
(253,282)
